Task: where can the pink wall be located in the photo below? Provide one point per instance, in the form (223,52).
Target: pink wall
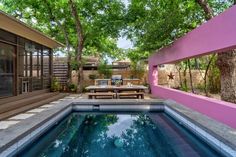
(217,35)
(214,36)
(218,110)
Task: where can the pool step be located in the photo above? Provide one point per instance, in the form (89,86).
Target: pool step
(10,109)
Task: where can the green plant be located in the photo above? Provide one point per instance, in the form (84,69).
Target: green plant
(146,84)
(184,88)
(214,79)
(93,76)
(55,86)
(73,87)
(118,82)
(105,70)
(200,87)
(137,70)
(84,90)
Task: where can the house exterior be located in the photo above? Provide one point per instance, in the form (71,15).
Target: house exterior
(25,58)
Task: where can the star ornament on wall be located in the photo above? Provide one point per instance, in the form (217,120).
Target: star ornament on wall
(171,76)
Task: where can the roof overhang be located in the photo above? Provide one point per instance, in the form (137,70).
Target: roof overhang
(19,28)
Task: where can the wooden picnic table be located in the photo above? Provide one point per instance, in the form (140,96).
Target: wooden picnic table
(115,89)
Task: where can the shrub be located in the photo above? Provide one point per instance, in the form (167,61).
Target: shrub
(55,86)
(105,70)
(73,87)
(93,76)
(137,70)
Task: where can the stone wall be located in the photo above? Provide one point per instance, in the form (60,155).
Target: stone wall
(126,74)
(163,78)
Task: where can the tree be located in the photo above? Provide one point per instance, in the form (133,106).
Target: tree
(105,70)
(90,26)
(80,44)
(154,24)
(190,75)
(226,62)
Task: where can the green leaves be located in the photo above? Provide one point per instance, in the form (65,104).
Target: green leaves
(149,24)
(153,24)
(101,20)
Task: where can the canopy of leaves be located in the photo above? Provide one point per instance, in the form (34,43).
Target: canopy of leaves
(153,24)
(149,24)
(101,21)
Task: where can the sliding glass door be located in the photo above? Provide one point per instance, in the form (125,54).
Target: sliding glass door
(7,59)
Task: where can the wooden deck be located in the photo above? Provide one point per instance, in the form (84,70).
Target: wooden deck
(18,104)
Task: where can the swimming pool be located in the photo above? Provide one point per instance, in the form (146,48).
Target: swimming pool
(118,135)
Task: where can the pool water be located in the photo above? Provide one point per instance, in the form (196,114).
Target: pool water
(118,135)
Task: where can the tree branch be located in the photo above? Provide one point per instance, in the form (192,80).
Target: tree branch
(206,8)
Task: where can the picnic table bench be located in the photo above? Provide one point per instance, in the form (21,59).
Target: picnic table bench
(116,91)
(125,95)
(107,95)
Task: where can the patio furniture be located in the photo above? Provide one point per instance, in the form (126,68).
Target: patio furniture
(128,95)
(103,82)
(108,81)
(115,78)
(135,90)
(102,95)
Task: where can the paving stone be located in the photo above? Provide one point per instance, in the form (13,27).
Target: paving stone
(6,124)
(55,102)
(21,116)
(46,106)
(37,110)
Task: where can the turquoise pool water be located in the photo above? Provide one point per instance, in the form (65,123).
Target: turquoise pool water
(118,135)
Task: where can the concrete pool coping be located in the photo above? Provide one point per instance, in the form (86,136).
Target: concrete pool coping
(11,138)
(210,125)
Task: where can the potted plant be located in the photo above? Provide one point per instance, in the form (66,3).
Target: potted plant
(72,87)
(118,83)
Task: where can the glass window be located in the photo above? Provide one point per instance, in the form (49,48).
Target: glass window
(39,62)
(36,67)
(35,63)
(21,41)
(6,36)
(46,59)
(7,55)
(21,62)
(46,62)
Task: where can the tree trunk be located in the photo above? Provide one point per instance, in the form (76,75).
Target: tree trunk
(185,85)
(225,62)
(205,74)
(196,63)
(190,76)
(80,44)
(66,37)
(178,68)
(206,8)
